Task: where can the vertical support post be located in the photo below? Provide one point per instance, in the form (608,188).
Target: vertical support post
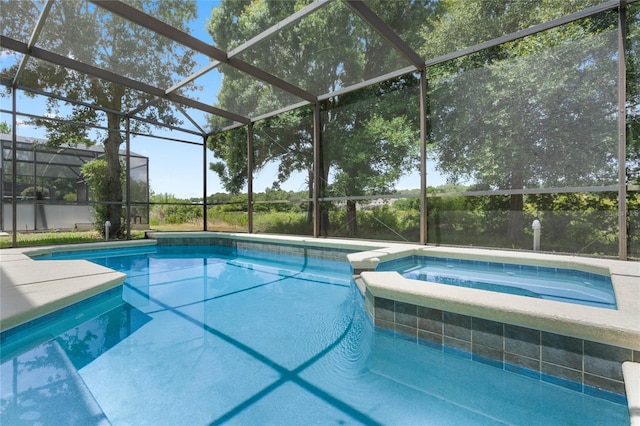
(317,150)
(34,166)
(205,209)
(423,156)
(147,208)
(2,172)
(14,168)
(250,177)
(128,176)
(622,130)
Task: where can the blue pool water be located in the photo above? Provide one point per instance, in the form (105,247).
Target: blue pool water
(209,335)
(564,285)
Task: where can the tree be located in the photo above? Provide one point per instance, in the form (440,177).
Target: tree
(536,112)
(362,151)
(90,34)
(5,129)
(95,173)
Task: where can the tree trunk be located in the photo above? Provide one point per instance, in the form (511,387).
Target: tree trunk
(515,231)
(352,225)
(310,191)
(114,171)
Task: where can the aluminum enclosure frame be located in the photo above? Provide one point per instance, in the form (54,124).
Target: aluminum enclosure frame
(370,18)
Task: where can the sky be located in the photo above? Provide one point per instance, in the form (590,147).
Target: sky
(177,168)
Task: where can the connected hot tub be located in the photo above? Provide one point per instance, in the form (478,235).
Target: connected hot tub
(541,282)
(568,320)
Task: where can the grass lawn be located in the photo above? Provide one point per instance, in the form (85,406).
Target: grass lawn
(28,239)
(44,238)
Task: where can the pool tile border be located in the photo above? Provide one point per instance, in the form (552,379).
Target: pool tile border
(278,248)
(496,266)
(114,293)
(577,364)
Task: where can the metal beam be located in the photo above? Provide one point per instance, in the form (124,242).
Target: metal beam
(54,58)
(128,176)
(622,130)
(386,32)
(250,166)
(612,4)
(205,207)
(317,160)
(261,74)
(33,39)
(423,157)
(368,83)
(263,36)
(279,111)
(130,114)
(179,107)
(14,170)
(138,17)
(287,22)
(144,20)
(193,76)
(326,96)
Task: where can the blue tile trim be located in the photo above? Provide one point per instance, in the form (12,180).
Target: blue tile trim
(486,360)
(522,371)
(47,318)
(561,382)
(385,331)
(430,344)
(395,264)
(331,253)
(421,260)
(456,352)
(604,394)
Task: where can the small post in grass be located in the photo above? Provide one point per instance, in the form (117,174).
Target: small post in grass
(536,234)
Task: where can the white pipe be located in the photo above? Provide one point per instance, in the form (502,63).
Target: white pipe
(107,226)
(536,234)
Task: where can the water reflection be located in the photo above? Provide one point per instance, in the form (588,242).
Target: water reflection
(88,341)
(35,383)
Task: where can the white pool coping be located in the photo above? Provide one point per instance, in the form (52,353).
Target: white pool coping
(631,372)
(30,289)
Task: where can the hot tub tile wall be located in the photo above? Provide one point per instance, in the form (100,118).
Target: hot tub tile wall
(585,366)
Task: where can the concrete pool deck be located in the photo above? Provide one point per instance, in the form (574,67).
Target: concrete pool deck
(30,289)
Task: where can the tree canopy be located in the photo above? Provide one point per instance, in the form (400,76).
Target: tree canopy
(369,137)
(539,112)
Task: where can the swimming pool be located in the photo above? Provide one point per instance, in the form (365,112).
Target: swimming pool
(560,284)
(207,335)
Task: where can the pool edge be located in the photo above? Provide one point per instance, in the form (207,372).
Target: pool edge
(31,289)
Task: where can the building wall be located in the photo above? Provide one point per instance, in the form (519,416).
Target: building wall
(49,216)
